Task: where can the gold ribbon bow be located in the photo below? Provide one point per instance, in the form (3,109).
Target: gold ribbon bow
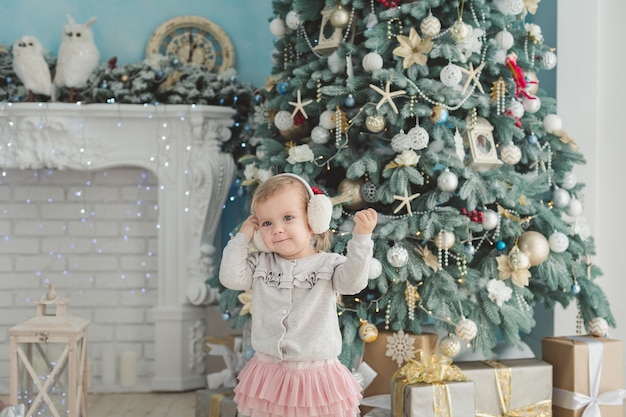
(432,369)
(503,376)
(216,399)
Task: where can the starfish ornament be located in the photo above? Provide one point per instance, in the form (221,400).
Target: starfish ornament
(387,96)
(472,74)
(299,106)
(405,202)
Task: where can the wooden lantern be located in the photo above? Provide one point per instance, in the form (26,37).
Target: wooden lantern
(479,137)
(49,361)
(330,37)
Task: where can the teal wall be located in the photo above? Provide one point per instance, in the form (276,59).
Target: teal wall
(123,27)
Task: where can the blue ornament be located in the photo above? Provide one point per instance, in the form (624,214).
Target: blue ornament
(221,101)
(282,88)
(9,80)
(440,115)
(470,250)
(104,85)
(226,315)
(235,99)
(575,289)
(159,74)
(501,245)
(258,98)
(175,61)
(350,101)
(233,79)
(532,139)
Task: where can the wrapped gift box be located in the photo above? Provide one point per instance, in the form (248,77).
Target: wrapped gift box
(215,403)
(511,386)
(572,359)
(449,399)
(217,327)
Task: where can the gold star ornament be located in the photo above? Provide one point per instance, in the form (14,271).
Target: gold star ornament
(413,49)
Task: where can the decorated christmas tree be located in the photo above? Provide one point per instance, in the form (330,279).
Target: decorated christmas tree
(431,112)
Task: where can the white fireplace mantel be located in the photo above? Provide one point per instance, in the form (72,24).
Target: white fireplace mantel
(181,145)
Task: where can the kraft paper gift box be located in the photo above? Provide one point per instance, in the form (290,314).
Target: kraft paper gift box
(587,374)
(215,403)
(511,387)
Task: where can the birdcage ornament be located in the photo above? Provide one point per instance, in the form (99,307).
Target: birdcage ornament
(49,361)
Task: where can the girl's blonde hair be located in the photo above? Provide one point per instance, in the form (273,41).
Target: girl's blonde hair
(268,188)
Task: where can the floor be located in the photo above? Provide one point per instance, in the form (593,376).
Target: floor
(140,405)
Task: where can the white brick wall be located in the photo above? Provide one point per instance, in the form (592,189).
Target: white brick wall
(94,236)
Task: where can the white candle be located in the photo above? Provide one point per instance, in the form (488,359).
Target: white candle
(108,365)
(128,369)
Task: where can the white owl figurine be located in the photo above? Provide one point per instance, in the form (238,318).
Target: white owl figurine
(31,66)
(77,58)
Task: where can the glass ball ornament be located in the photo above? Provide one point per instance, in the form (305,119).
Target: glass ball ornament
(376,268)
(505,40)
(327,119)
(397,256)
(532,139)
(574,289)
(439,115)
(490,219)
(282,88)
(283,120)
(226,315)
(340,18)
(430,26)
(350,101)
(277,27)
(466,330)
(320,135)
(375,123)
(450,75)
(552,123)
(447,181)
(598,327)
(450,346)
(574,208)
(535,245)
(501,245)
(560,198)
(369,192)
(469,249)
(510,154)
(531,105)
(368,332)
(293,20)
(445,240)
(569,180)
(372,61)
(548,60)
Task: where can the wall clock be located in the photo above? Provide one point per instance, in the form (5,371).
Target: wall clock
(193,40)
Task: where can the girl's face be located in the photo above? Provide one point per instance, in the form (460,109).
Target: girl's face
(284,225)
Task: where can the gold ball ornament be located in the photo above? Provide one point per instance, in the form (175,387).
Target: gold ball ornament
(460,30)
(535,245)
(340,18)
(375,123)
(598,327)
(349,192)
(368,332)
(450,346)
(466,330)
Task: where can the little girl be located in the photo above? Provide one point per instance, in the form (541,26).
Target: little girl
(295,282)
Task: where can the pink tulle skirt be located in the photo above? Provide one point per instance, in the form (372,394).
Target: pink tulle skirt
(269,388)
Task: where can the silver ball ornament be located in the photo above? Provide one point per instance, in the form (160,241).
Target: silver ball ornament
(397,256)
(548,60)
(574,208)
(598,327)
(447,181)
(450,346)
(560,198)
(559,242)
(369,192)
(535,245)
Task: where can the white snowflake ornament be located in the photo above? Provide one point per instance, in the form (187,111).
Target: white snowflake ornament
(400,347)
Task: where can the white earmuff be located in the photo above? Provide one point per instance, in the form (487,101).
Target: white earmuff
(319,209)
(257,242)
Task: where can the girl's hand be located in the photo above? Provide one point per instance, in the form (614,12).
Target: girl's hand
(365,221)
(249,226)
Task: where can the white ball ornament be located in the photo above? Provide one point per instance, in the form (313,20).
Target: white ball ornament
(510,7)
(417,138)
(376,268)
(548,60)
(535,245)
(397,256)
(505,40)
(283,120)
(450,75)
(293,20)
(569,180)
(598,327)
(372,61)
(517,108)
(552,123)
(450,346)
(559,242)
(560,198)
(399,142)
(327,119)
(510,154)
(531,105)
(447,181)
(574,208)
(430,26)
(445,240)
(466,330)
(320,135)
(277,27)
(490,219)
